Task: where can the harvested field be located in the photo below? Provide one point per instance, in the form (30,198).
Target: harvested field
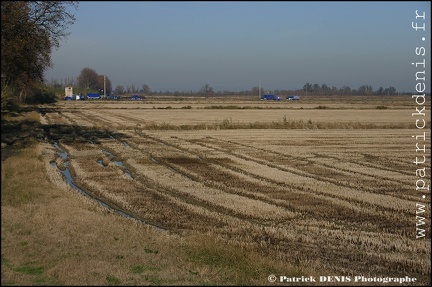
(332,188)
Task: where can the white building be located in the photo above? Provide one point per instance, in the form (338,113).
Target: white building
(68,92)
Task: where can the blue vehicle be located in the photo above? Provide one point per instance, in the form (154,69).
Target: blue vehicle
(292,98)
(93,96)
(74,98)
(135,98)
(270,97)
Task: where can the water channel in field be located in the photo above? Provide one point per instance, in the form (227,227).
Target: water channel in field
(117,163)
(69,179)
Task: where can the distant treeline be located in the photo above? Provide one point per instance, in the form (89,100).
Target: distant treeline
(207,90)
(90,81)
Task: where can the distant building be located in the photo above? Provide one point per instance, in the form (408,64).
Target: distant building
(69,94)
(68,91)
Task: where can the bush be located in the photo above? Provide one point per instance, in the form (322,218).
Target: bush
(7,93)
(42,95)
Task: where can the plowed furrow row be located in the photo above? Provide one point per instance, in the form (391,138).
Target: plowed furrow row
(315,168)
(144,198)
(281,175)
(158,170)
(297,198)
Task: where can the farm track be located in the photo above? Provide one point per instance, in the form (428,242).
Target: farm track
(299,207)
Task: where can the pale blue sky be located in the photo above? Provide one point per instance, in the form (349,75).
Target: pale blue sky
(233,45)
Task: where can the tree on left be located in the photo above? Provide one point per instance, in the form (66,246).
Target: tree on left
(29,32)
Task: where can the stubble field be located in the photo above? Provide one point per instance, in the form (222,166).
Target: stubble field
(324,183)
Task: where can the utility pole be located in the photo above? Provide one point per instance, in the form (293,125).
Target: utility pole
(259,88)
(104,88)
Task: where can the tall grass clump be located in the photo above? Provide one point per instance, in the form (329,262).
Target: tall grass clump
(7,94)
(220,107)
(247,267)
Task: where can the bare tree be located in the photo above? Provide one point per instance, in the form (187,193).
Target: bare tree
(119,90)
(307,88)
(88,79)
(206,89)
(365,90)
(29,32)
(256,91)
(146,89)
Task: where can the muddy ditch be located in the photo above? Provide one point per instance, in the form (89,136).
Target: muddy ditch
(63,168)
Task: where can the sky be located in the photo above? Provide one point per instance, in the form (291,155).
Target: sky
(235,46)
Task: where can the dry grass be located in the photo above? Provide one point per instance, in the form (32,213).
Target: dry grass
(319,191)
(52,235)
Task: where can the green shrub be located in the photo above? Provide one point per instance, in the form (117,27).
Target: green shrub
(42,95)
(7,93)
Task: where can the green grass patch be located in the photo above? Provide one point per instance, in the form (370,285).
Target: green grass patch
(155,280)
(112,280)
(140,268)
(30,270)
(148,250)
(243,267)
